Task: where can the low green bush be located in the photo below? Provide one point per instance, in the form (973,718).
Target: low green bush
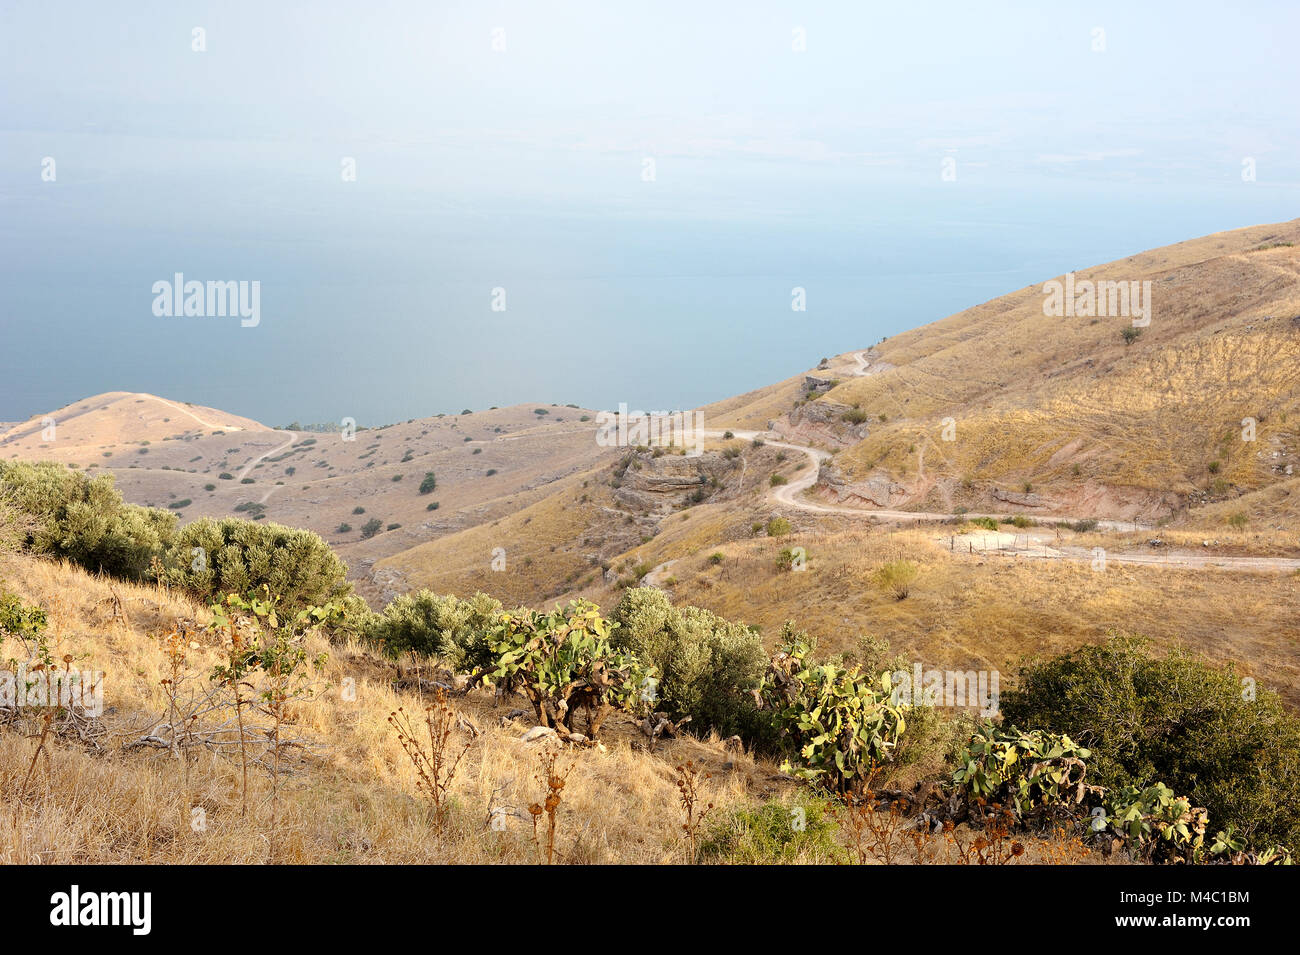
(209,558)
(707,666)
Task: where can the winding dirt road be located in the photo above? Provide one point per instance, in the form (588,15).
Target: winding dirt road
(1036,543)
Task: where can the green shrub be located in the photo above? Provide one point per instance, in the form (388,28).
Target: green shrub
(429,483)
(1022,771)
(358,510)
(225,476)
(371,527)
(1155,825)
(778,479)
(835,723)
(855,416)
(563,661)
(788,558)
(778,527)
(707,666)
(988,523)
(343,528)
(177,505)
(433,625)
(22,621)
(431,506)
(84,520)
(1173,719)
(773,832)
(238,556)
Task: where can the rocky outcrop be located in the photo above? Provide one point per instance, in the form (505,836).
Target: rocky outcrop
(821,422)
(1019,500)
(877,490)
(653,483)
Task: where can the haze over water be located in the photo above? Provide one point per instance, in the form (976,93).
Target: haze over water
(523,169)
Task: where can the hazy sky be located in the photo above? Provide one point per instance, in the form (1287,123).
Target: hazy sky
(523,169)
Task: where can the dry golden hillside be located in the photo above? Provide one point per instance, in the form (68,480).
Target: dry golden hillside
(353,796)
(1093,424)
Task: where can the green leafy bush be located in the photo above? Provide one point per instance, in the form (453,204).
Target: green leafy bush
(707,666)
(1022,771)
(210,558)
(429,483)
(988,523)
(837,723)
(773,832)
(1174,719)
(563,661)
(1154,824)
(22,621)
(84,519)
(431,624)
(895,577)
(778,527)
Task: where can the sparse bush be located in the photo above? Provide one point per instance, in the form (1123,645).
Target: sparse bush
(773,832)
(895,577)
(717,557)
(855,416)
(371,527)
(988,523)
(1130,334)
(778,527)
(344,528)
(1238,521)
(776,480)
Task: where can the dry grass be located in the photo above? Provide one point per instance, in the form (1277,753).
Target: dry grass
(1065,405)
(356,802)
(989,611)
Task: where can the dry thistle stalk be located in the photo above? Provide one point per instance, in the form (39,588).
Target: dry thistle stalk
(553,778)
(435,762)
(689,783)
